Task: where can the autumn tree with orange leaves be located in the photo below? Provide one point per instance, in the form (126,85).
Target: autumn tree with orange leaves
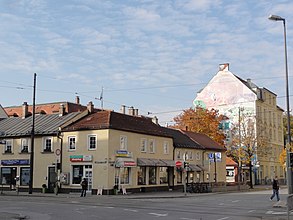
(201,121)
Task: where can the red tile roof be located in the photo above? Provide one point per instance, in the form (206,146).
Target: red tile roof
(113,120)
(204,141)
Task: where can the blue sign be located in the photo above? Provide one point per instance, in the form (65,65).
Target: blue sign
(218,157)
(14,162)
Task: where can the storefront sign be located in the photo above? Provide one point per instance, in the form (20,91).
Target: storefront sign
(81,158)
(14,162)
(123,153)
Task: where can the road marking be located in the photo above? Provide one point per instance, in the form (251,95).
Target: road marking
(131,210)
(190,219)
(251,211)
(275,213)
(223,218)
(235,200)
(109,207)
(158,214)
(222,204)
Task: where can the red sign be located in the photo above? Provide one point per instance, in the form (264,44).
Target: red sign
(178,163)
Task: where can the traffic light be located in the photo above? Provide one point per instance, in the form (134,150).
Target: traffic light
(290,159)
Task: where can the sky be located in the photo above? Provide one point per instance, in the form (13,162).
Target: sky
(154,55)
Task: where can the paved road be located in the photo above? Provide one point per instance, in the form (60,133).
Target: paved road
(166,206)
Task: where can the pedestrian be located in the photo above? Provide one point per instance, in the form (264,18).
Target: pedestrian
(84,185)
(275,189)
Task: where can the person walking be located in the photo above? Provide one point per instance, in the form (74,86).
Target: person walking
(275,189)
(84,186)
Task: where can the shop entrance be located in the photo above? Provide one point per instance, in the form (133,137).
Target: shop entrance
(52,178)
(8,175)
(88,174)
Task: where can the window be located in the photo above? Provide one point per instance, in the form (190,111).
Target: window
(71,143)
(92,142)
(178,154)
(124,177)
(24,176)
(141,176)
(166,147)
(197,155)
(48,144)
(8,146)
(190,155)
(152,176)
(24,146)
(163,175)
(77,173)
(152,146)
(123,142)
(143,145)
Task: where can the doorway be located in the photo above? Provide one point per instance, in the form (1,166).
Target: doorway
(52,178)
(88,174)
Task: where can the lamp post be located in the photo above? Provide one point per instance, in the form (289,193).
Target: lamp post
(289,172)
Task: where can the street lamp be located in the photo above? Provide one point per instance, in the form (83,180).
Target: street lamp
(289,174)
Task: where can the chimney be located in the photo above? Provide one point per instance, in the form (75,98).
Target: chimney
(90,107)
(24,110)
(61,110)
(77,101)
(131,110)
(224,67)
(155,120)
(136,112)
(123,109)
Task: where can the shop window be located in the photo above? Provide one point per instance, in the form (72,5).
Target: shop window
(123,142)
(92,142)
(24,176)
(124,175)
(8,175)
(77,174)
(48,144)
(141,175)
(152,175)
(163,175)
(71,143)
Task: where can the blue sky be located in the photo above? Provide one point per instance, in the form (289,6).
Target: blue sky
(150,54)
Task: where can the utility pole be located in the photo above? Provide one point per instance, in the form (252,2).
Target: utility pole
(215,161)
(32,138)
(239,157)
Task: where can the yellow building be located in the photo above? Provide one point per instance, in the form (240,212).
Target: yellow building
(240,99)
(113,151)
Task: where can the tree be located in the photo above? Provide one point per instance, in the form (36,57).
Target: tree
(249,138)
(201,121)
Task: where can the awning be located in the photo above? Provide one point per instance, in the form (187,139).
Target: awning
(202,167)
(148,162)
(195,168)
(125,162)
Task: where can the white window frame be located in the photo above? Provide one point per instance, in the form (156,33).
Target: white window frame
(24,142)
(166,147)
(123,142)
(152,145)
(198,157)
(143,145)
(9,143)
(89,141)
(178,154)
(45,142)
(190,155)
(71,147)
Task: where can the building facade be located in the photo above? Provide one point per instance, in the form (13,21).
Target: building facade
(242,98)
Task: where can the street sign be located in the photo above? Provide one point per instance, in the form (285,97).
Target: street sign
(178,163)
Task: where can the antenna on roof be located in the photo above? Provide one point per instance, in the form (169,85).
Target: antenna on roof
(101,98)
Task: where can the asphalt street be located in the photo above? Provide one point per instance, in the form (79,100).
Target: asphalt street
(249,205)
